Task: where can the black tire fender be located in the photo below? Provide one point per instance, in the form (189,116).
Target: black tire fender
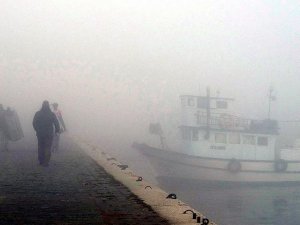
(280,165)
(234,166)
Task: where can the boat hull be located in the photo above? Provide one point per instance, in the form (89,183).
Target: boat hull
(181,166)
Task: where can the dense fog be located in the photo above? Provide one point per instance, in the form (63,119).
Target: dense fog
(116,66)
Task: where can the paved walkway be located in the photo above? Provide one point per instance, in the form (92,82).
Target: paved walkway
(72,190)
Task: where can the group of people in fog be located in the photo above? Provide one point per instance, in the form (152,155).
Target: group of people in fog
(48,125)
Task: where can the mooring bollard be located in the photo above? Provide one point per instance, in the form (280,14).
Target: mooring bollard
(123,167)
(172,196)
(139,179)
(194,216)
(111,159)
(193,213)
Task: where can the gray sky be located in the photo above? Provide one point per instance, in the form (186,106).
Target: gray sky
(132,59)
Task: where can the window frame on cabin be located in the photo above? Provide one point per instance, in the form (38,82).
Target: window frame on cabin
(259,143)
(252,142)
(232,137)
(219,141)
(221,104)
(202,103)
(191,102)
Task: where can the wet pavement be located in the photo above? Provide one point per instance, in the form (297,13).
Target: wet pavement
(74,189)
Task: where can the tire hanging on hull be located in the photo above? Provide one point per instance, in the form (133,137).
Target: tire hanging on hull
(234,166)
(280,165)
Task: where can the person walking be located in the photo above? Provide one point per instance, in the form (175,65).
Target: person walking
(62,126)
(3,135)
(43,123)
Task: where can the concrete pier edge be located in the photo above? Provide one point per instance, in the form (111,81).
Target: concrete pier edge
(170,209)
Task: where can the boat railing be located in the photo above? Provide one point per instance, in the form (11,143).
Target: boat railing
(228,121)
(225,121)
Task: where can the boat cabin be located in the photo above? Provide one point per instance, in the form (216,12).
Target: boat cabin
(209,128)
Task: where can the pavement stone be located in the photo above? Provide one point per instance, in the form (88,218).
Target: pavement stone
(74,189)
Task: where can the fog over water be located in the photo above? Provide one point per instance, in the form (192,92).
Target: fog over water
(132,59)
(116,66)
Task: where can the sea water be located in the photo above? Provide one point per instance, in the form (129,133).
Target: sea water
(241,205)
(223,204)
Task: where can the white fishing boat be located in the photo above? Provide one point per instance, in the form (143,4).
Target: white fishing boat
(219,146)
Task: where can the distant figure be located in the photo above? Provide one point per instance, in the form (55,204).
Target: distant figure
(10,127)
(62,125)
(43,123)
(58,114)
(3,135)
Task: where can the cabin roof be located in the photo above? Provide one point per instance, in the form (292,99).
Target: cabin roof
(215,98)
(246,131)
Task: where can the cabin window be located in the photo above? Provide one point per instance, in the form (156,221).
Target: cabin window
(262,141)
(195,134)
(201,118)
(222,105)
(186,133)
(202,103)
(191,102)
(220,138)
(234,138)
(183,102)
(248,139)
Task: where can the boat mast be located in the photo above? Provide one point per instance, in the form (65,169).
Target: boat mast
(207,113)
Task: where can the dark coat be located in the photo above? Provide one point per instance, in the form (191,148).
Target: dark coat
(43,123)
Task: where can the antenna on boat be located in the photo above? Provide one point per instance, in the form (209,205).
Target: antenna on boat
(271,98)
